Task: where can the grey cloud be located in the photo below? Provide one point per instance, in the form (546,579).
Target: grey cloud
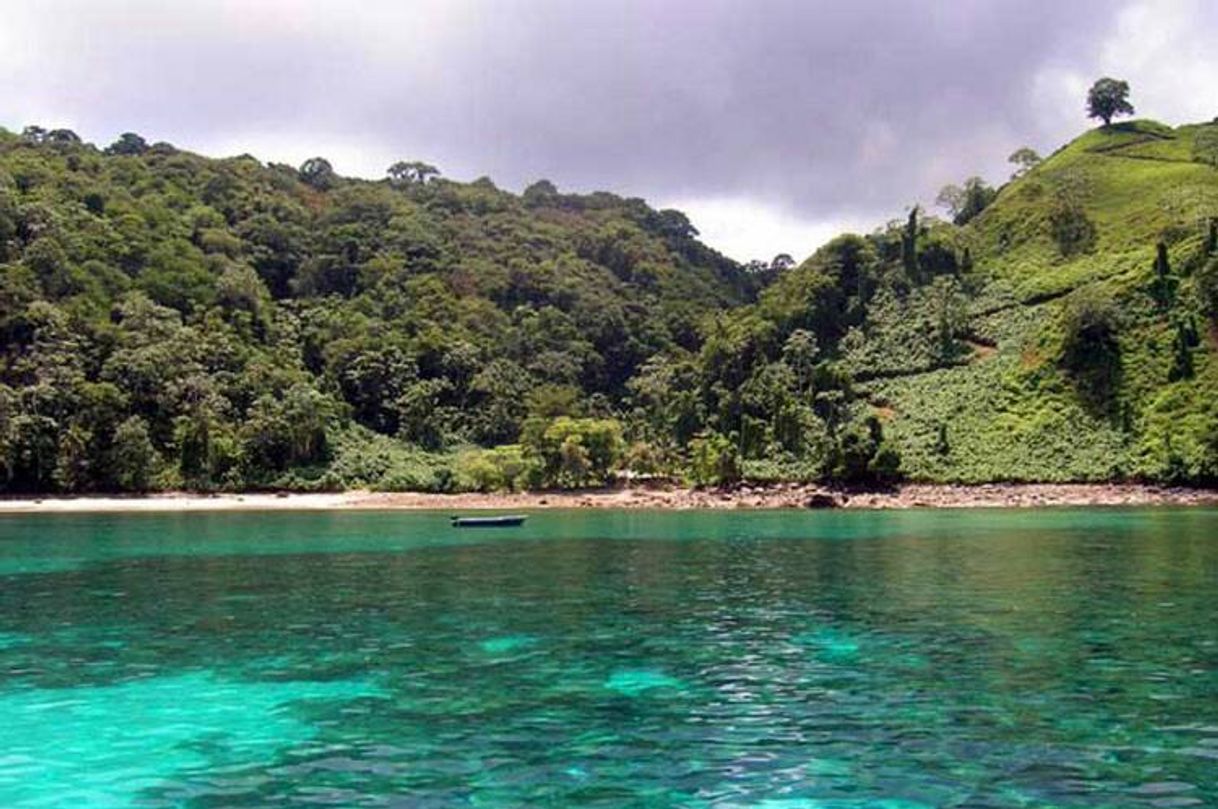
(821,107)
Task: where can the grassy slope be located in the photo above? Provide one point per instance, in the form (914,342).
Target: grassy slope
(1012,413)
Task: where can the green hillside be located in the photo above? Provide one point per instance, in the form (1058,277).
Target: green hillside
(170,320)
(1136,398)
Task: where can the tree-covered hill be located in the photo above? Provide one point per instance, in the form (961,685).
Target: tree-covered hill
(171,320)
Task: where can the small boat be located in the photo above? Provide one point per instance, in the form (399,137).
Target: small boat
(504,521)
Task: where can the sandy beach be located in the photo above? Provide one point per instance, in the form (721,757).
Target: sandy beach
(996,495)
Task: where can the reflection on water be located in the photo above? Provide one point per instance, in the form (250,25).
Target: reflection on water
(826,661)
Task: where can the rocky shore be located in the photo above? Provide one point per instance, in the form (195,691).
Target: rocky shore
(791,495)
(994,495)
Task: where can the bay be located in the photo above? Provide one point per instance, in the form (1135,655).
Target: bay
(835,660)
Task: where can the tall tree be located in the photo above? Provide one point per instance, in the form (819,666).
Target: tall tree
(411,173)
(128,143)
(781,263)
(540,193)
(1108,98)
(133,457)
(34,134)
(62,136)
(1025,158)
(317,172)
(965,203)
(909,244)
(1163,287)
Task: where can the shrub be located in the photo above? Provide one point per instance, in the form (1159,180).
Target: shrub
(646,459)
(714,460)
(364,459)
(863,455)
(572,452)
(1207,286)
(1072,231)
(1090,350)
(497,469)
(1205,145)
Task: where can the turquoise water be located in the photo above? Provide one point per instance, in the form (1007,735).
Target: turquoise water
(787,660)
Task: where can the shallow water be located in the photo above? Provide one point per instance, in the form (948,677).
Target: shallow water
(789,660)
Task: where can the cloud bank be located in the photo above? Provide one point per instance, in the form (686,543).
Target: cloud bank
(767,119)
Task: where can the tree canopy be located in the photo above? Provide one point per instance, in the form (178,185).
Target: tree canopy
(1025,159)
(964,203)
(170,320)
(1107,99)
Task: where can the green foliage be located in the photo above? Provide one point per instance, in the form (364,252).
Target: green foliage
(1041,389)
(318,173)
(965,203)
(1001,424)
(33,450)
(1090,349)
(1179,443)
(250,316)
(362,459)
(406,173)
(128,143)
(942,445)
(1108,98)
(134,458)
(1205,145)
(863,456)
(1025,159)
(909,244)
(1207,286)
(1072,230)
(287,430)
(542,192)
(1184,342)
(501,468)
(170,320)
(1163,287)
(921,330)
(714,460)
(573,452)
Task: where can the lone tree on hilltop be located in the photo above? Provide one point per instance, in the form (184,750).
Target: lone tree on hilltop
(1108,98)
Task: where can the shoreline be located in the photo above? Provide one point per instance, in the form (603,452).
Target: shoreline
(805,496)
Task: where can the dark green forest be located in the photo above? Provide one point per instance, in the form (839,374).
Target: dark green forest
(174,321)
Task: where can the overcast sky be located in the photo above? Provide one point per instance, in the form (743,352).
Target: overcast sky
(774,124)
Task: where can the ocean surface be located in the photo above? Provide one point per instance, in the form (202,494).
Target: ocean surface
(785,660)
